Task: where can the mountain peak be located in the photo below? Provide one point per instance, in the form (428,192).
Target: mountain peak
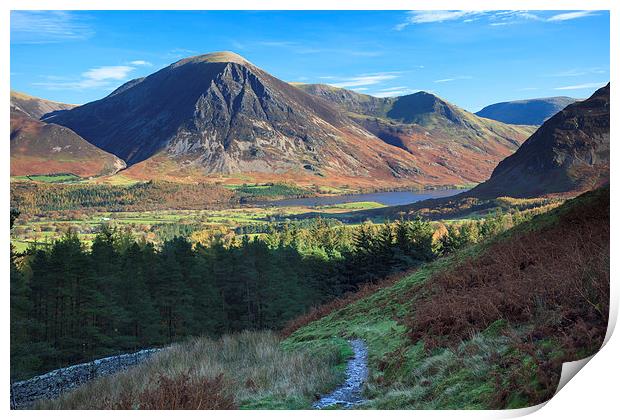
(214,57)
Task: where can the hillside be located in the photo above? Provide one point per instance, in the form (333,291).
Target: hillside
(488,327)
(41,148)
(569,153)
(34,107)
(218,114)
(445,142)
(526,111)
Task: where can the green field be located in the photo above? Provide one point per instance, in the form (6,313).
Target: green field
(268,190)
(42,229)
(50,178)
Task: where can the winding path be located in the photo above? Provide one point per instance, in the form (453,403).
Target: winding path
(349,394)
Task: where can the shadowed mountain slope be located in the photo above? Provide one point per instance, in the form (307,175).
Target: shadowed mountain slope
(569,153)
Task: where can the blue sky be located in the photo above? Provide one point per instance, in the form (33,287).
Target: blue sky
(472,59)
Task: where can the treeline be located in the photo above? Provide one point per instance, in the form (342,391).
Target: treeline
(70,303)
(33,198)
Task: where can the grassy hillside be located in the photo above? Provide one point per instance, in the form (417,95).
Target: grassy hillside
(488,327)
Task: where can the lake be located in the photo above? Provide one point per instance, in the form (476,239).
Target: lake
(391,198)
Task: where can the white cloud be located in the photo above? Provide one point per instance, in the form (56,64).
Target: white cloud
(571,15)
(277,43)
(391,93)
(392,88)
(43,27)
(365,79)
(494,18)
(96,78)
(582,86)
(432,16)
(452,79)
(140,63)
(107,73)
(579,72)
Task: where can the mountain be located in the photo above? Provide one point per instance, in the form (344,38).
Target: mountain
(39,148)
(569,153)
(218,114)
(36,107)
(445,141)
(526,111)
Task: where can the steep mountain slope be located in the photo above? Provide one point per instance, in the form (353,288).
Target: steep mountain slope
(569,153)
(487,327)
(526,111)
(36,107)
(40,148)
(219,114)
(444,141)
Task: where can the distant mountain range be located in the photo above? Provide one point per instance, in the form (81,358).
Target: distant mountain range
(39,148)
(526,111)
(569,153)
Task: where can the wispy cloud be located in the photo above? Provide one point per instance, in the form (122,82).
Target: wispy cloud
(578,72)
(107,73)
(180,53)
(592,85)
(305,48)
(44,27)
(141,63)
(493,18)
(434,16)
(452,79)
(365,79)
(571,15)
(393,88)
(95,78)
(277,43)
(397,91)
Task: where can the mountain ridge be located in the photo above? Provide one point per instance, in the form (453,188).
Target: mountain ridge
(533,111)
(443,139)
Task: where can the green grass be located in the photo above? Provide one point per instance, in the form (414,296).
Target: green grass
(359,205)
(50,178)
(402,375)
(268,190)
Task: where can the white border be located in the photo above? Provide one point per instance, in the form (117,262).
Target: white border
(592,394)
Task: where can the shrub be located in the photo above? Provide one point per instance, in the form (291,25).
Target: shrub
(184,392)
